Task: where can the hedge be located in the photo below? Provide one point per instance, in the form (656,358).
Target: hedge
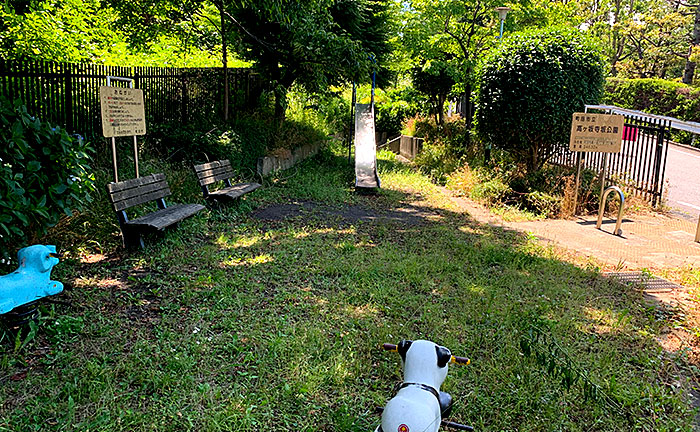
(654,96)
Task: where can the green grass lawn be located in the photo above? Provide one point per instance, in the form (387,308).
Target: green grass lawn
(237,323)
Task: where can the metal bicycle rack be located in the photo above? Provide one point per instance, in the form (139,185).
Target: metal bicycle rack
(617,230)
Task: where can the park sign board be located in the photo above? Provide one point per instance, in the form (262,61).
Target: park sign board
(123,112)
(596,133)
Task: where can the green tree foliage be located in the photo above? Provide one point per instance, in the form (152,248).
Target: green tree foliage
(531,86)
(71,30)
(94,31)
(43,176)
(315,44)
(453,33)
(640,39)
(435,79)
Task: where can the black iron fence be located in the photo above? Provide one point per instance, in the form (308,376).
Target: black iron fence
(640,166)
(67,94)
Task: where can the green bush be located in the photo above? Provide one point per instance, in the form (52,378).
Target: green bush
(243,141)
(656,96)
(543,203)
(396,106)
(44,175)
(434,161)
(444,149)
(490,192)
(529,88)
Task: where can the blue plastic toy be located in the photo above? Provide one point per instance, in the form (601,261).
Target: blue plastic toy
(32,280)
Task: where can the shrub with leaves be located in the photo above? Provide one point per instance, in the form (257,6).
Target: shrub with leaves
(44,175)
(530,87)
(656,96)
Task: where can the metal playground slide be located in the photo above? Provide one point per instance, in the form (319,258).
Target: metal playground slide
(365,148)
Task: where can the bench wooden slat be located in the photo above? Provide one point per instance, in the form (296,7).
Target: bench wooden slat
(135,183)
(215,178)
(235,191)
(212,165)
(165,217)
(214,171)
(141,199)
(135,192)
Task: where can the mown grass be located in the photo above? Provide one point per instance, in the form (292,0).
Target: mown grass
(233,323)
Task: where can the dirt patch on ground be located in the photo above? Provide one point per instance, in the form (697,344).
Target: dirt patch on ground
(348,214)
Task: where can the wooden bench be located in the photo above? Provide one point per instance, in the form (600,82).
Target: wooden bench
(130,193)
(212,172)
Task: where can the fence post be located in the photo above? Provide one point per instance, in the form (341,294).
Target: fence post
(659,185)
(247,91)
(183,104)
(68,96)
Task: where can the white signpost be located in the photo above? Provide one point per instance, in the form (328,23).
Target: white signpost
(123,114)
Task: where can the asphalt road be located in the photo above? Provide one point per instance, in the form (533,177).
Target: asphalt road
(683,181)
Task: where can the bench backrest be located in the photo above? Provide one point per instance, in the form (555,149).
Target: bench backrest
(213,172)
(130,193)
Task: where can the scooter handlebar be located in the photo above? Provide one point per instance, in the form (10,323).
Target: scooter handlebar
(460,360)
(455,359)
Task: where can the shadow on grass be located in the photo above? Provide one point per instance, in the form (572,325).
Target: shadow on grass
(272,321)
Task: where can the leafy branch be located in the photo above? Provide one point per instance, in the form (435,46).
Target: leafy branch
(548,353)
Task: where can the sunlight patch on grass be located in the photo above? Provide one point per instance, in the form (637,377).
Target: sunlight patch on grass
(606,321)
(224,241)
(110,283)
(363,311)
(249,262)
(88,258)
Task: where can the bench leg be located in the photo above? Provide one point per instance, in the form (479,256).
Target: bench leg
(132,239)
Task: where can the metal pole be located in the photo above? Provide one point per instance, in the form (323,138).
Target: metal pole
(114,160)
(114,143)
(501,35)
(603,174)
(351,131)
(136,146)
(578,179)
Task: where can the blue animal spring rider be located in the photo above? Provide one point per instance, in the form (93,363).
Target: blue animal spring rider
(20,289)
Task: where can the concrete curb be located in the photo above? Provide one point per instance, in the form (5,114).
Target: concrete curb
(286,159)
(685,146)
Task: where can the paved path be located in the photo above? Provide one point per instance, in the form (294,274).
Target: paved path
(683,180)
(651,241)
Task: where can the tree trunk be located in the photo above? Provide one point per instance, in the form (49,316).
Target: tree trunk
(224,57)
(440,108)
(689,70)
(280,102)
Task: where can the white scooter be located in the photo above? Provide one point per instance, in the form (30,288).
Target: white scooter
(419,405)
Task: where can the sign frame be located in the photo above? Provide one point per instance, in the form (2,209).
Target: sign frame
(600,133)
(603,172)
(123,111)
(130,81)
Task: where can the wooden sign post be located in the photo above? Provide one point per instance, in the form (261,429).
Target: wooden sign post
(595,133)
(123,114)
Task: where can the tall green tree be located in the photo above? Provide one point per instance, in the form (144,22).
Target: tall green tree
(70,30)
(315,43)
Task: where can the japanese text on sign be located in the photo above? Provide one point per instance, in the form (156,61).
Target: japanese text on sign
(596,132)
(123,111)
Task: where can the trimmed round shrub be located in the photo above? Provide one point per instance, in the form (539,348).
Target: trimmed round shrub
(529,88)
